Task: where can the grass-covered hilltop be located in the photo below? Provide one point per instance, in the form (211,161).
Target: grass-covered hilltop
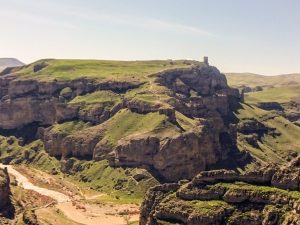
(64,69)
(280,92)
(103,132)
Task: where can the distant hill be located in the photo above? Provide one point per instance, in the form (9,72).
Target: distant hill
(280,92)
(253,80)
(9,62)
(279,88)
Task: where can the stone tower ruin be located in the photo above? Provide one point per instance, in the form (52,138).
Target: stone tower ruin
(205,60)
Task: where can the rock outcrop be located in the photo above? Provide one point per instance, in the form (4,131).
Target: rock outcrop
(180,156)
(27,101)
(199,93)
(4,188)
(5,204)
(228,197)
(289,110)
(292,111)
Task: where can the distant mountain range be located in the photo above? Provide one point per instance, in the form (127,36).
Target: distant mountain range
(9,62)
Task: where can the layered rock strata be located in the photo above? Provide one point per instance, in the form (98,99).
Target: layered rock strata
(4,190)
(200,94)
(226,197)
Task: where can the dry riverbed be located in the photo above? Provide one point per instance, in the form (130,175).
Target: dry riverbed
(70,204)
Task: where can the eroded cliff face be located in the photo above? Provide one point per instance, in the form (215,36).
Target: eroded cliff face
(183,131)
(265,196)
(4,191)
(27,101)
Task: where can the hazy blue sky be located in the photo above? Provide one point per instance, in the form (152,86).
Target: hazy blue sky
(261,36)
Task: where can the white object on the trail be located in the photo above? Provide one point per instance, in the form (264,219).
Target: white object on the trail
(26,184)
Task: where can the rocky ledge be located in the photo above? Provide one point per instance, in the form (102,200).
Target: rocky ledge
(5,204)
(45,102)
(289,110)
(266,196)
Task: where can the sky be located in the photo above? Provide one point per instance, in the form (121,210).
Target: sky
(259,36)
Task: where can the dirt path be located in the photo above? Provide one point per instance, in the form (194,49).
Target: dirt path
(26,184)
(154,92)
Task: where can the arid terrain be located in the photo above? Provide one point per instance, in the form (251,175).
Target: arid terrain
(147,142)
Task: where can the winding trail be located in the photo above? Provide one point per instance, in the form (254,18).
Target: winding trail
(26,184)
(154,92)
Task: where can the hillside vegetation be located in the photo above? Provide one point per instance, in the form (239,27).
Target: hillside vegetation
(114,129)
(280,93)
(279,88)
(63,69)
(267,136)
(252,80)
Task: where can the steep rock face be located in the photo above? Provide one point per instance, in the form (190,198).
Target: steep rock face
(53,141)
(288,177)
(285,177)
(205,80)
(215,197)
(25,110)
(154,196)
(83,144)
(4,189)
(205,89)
(28,101)
(174,157)
(292,111)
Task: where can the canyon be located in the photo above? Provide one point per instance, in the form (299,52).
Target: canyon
(170,132)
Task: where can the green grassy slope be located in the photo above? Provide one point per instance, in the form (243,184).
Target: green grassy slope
(280,88)
(33,153)
(125,124)
(96,175)
(281,94)
(105,99)
(63,69)
(99,176)
(252,80)
(237,186)
(271,148)
(69,127)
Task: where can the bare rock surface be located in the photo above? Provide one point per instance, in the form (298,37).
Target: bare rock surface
(4,189)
